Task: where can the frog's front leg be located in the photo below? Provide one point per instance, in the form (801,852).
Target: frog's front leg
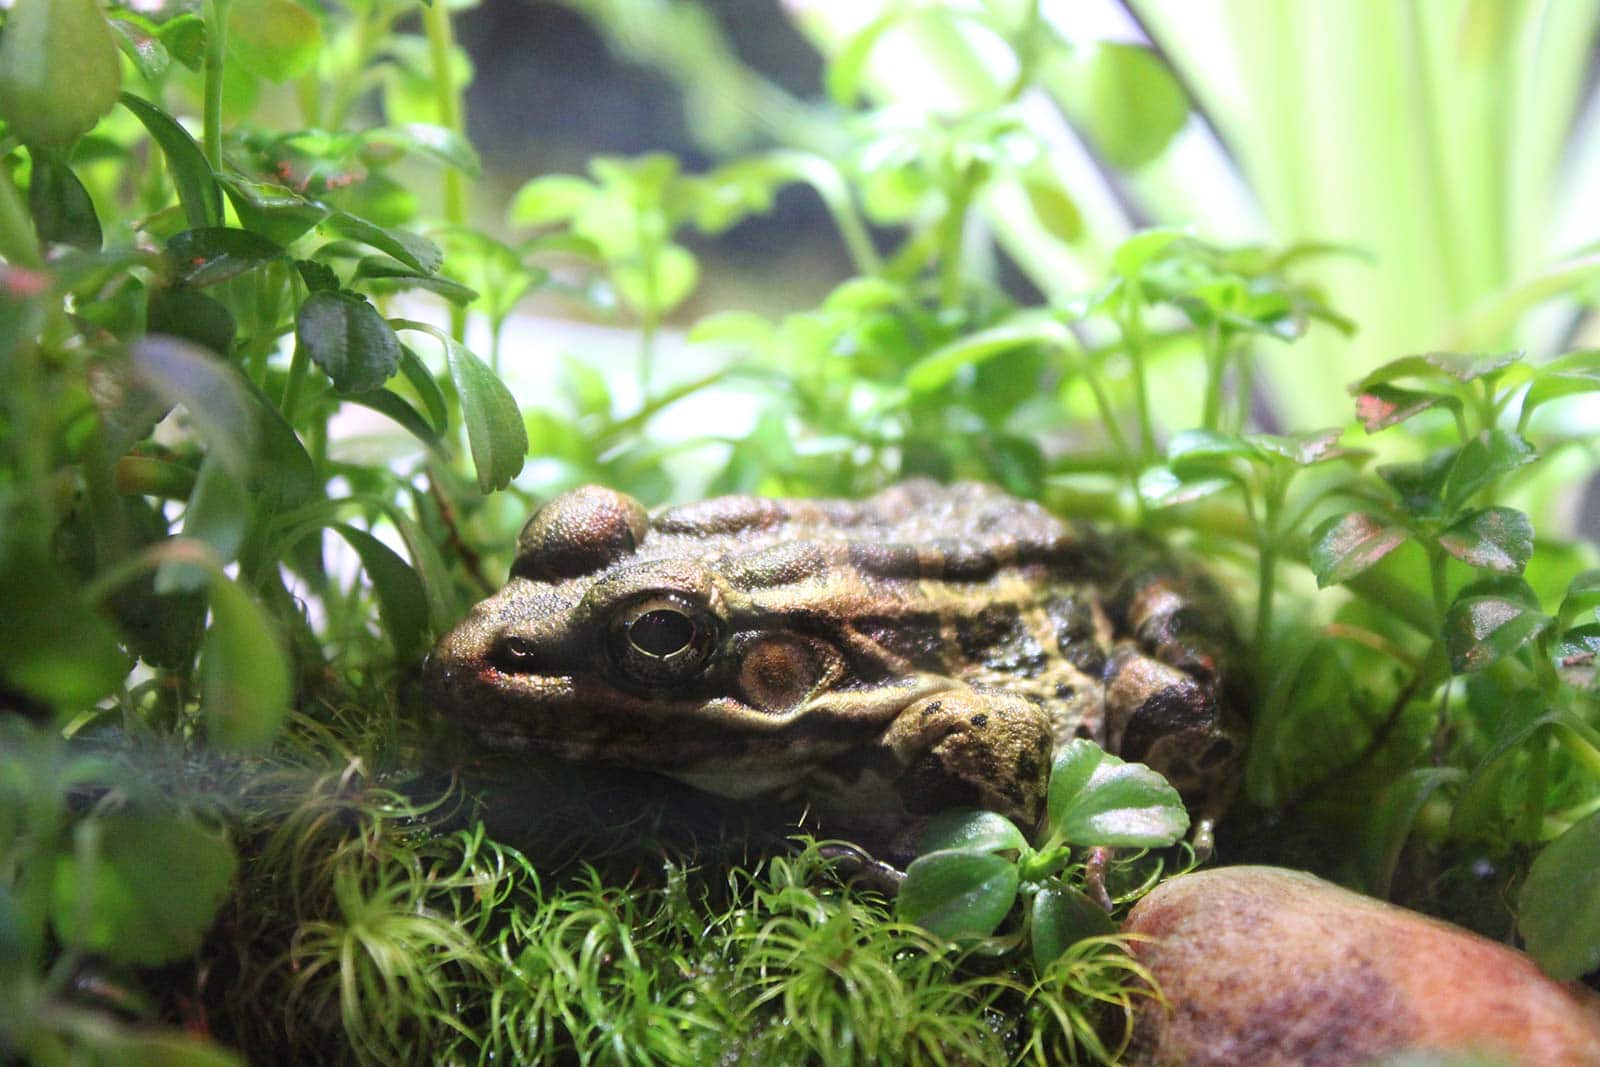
(972,747)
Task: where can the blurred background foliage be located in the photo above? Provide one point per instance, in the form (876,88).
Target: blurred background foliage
(1449,146)
(291,289)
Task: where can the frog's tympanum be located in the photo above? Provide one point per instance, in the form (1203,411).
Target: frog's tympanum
(878,660)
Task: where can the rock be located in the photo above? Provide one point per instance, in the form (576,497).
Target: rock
(1261,965)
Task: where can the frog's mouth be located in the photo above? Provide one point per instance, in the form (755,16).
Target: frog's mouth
(700,737)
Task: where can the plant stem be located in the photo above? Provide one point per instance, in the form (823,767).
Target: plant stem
(1108,415)
(447,98)
(1441,592)
(1267,559)
(19,242)
(952,235)
(650,322)
(1579,748)
(1538,782)
(216,18)
(292,386)
(1133,338)
(824,177)
(1215,363)
(371,24)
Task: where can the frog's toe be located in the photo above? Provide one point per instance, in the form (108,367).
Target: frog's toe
(972,747)
(1162,716)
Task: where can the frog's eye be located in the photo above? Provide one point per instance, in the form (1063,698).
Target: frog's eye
(661,640)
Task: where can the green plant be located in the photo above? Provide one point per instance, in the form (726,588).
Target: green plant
(973,865)
(214,251)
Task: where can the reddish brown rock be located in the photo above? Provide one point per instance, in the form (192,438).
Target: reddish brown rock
(1267,966)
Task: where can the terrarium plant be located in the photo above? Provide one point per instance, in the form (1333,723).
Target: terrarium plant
(230,826)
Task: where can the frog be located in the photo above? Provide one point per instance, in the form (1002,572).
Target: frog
(871,662)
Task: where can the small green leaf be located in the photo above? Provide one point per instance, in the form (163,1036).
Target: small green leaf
(387,275)
(219,403)
(437,143)
(1420,485)
(218,515)
(660,285)
(958,895)
(1480,806)
(140,888)
(550,199)
(1205,449)
(1558,907)
(496,436)
(143,48)
(1055,210)
(1438,366)
(347,338)
(273,211)
(161,1048)
(859,295)
(196,184)
(1159,487)
(1062,916)
(1304,449)
(1496,539)
(401,601)
(940,367)
(437,588)
(1480,462)
(244,670)
(737,190)
(319,277)
(970,831)
(1481,630)
(192,316)
(212,254)
(1583,595)
(285,477)
(59,70)
(1390,823)
(52,645)
(60,205)
(1140,250)
(1345,545)
(399,410)
(1569,375)
(184,37)
(1123,96)
(273,39)
(739,329)
(416,252)
(1097,799)
(849,61)
(1380,406)
(427,389)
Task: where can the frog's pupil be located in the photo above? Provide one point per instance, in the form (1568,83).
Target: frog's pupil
(662,632)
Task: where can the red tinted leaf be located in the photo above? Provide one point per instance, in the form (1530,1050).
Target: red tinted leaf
(1345,545)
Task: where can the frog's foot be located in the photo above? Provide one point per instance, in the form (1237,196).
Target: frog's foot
(1162,716)
(972,747)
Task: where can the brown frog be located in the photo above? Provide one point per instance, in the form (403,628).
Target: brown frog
(878,660)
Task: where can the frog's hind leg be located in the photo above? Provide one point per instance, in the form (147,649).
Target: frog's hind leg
(1169,699)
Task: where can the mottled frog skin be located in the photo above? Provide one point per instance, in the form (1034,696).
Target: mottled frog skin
(877,660)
